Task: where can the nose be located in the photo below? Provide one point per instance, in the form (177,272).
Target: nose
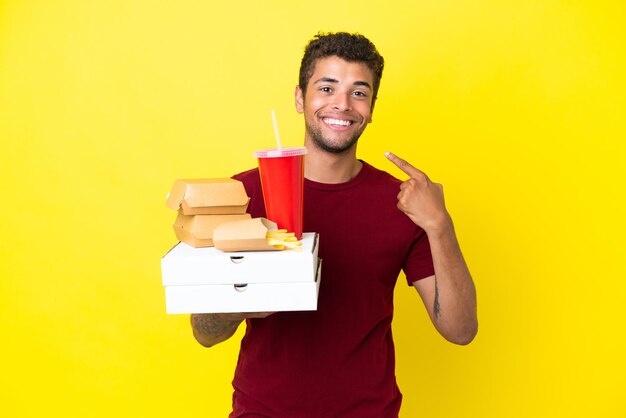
(342,102)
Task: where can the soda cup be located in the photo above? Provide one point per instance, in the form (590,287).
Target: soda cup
(282,181)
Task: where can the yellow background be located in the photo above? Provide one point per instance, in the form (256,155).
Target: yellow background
(517,107)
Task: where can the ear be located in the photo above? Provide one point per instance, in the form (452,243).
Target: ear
(299,100)
(371,110)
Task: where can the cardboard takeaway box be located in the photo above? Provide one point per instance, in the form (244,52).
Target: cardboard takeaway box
(244,235)
(207,280)
(217,196)
(197,230)
(203,204)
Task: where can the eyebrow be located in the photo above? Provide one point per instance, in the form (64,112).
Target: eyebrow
(334,80)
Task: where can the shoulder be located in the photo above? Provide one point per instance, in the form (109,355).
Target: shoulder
(248,176)
(250,179)
(252,183)
(376,176)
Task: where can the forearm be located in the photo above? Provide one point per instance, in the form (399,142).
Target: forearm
(453,306)
(211,329)
(449,295)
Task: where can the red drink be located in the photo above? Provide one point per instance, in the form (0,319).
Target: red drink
(282,180)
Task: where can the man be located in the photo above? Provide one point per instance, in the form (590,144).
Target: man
(339,361)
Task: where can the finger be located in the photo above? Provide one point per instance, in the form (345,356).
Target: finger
(403,165)
(409,184)
(403,208)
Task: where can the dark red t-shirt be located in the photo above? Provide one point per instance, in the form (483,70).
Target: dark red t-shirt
(337,361)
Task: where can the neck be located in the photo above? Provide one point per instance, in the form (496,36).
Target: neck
(329,168)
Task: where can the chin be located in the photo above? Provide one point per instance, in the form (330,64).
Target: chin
(332,147)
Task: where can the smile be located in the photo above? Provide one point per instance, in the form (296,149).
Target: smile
(337,122)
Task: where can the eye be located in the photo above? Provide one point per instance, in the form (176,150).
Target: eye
(325,89)
(360,94)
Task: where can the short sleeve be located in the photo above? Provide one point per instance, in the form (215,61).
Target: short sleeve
(419,262)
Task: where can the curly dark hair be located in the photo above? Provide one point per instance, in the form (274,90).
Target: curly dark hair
(352,47)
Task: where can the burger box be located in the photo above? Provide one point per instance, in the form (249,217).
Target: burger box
(244,235)
(197,230)
(209,280)
(217,196)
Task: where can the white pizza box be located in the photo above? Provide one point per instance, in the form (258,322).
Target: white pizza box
(245,297)
(185,265)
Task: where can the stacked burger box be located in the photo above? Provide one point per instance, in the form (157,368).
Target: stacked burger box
(245,274)
(204,204)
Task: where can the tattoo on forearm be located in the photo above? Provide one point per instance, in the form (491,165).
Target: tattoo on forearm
(211,324)
(436,307)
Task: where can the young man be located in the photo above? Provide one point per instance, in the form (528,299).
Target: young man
(339,361)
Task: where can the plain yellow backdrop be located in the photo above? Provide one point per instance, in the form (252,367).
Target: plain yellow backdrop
(517,107)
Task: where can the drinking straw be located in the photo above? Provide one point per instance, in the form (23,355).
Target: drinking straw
(280,148)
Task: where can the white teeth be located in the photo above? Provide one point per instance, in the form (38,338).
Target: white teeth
(337,122)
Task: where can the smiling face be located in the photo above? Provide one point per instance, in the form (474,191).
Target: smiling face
(337,105)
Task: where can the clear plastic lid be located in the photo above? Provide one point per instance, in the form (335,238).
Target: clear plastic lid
(284,152)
